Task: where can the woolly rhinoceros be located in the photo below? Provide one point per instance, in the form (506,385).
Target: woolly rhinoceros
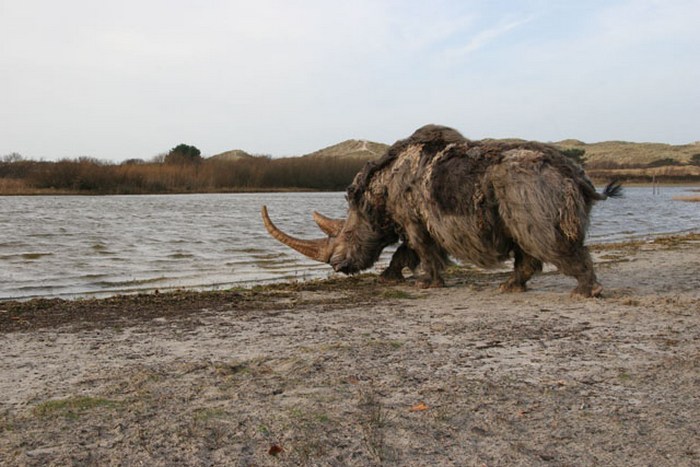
(444,196)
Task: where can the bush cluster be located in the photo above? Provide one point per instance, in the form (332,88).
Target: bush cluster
(180,175)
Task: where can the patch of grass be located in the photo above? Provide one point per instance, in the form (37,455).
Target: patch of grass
(675,240)
(309,417)
(624,247)
(230,369)
(326,347)
(383,344)
(613,257)
(373,420)
(72,407)
(624,376)
(308,430)
(322,417)
(396,294)
(5,425)
(207,414)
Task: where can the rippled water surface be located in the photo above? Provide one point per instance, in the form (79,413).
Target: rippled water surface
(75,245)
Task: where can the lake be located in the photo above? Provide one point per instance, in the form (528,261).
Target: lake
(72,246)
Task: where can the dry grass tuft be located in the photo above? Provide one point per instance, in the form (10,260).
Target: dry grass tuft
(691,198)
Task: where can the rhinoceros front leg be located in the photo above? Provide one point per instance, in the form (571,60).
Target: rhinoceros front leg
(403,257)
(432,257)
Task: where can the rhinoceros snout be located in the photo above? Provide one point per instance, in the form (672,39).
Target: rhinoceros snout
(343,266)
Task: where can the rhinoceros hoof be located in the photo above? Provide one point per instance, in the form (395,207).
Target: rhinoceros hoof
(588,291)
(427,283)
(511,287)
(391,277)
(391,280)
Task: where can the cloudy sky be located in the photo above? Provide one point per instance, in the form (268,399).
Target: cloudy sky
(126,79)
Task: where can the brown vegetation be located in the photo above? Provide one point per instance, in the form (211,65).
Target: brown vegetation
(331,168)
(91,176)
(662,174)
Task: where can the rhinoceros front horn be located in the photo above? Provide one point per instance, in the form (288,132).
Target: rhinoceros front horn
(329,226)
(318,250)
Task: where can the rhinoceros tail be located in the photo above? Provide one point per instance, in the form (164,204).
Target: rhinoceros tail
(613,190)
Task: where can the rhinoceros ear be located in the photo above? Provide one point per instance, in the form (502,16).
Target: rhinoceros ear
(329,226)
(318,250)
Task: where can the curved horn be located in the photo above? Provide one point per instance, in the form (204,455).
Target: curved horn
(319,250)
(329,226)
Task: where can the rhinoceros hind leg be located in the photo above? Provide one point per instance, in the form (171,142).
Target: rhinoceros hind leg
(525,267)
(579,265)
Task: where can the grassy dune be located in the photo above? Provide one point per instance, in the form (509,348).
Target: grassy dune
(329,169)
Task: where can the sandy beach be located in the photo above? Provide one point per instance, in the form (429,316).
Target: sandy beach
(348,371)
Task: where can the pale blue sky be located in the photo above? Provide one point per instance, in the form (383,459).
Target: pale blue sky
(124,79)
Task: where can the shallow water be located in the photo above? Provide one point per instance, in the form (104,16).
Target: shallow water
(84,245)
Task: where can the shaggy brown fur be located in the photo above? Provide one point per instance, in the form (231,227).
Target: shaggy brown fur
(478,201)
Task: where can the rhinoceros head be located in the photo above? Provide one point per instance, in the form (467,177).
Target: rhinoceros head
(351,245)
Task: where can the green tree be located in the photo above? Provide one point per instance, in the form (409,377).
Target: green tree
(575,154)
(183,154)
(666,161)
(12,157)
